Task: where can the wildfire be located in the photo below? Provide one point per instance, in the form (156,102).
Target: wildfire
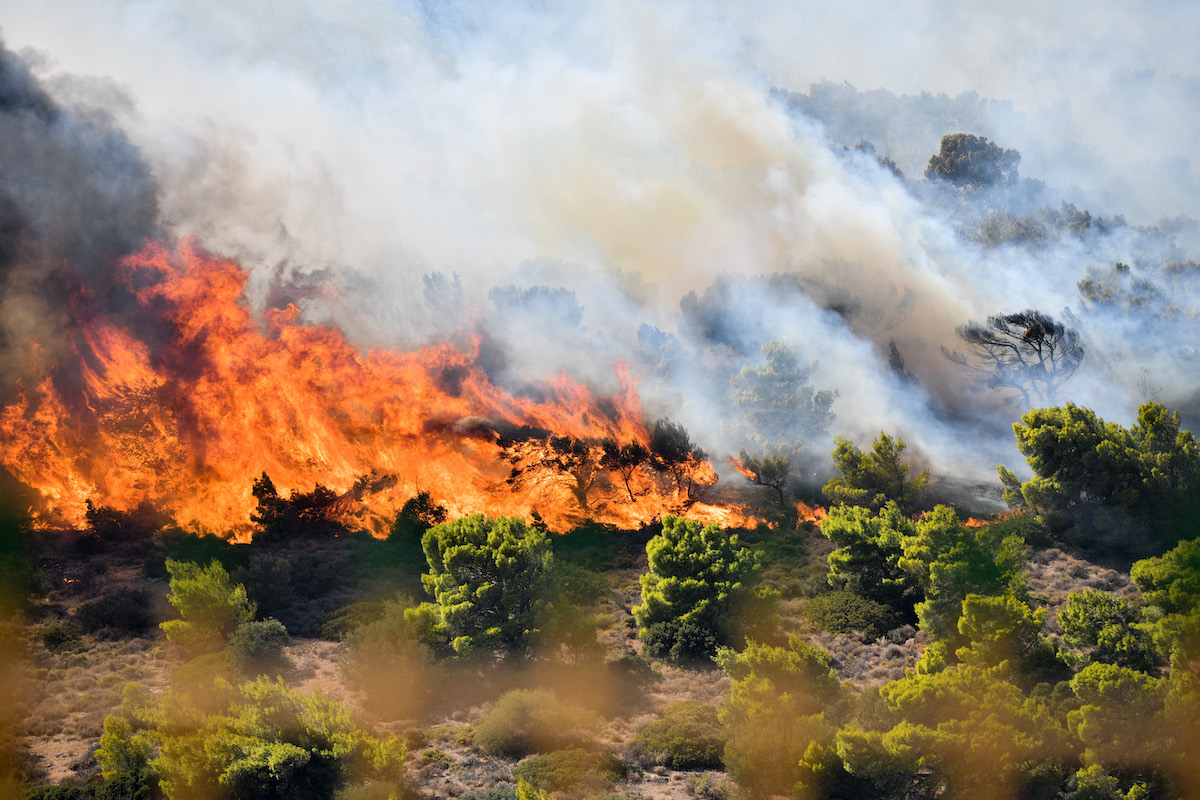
(813,514)
(188,423)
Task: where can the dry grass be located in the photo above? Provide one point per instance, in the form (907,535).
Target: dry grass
(1053,574)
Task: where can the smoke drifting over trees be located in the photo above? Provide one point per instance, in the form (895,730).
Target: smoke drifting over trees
(676,187)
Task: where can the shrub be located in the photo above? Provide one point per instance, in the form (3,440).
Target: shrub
(527,721)
(60,637)
(392,662)
(687,737)
(138,525)
(136,784)
(210,605)
(844,612)
(575,772)
(374,790)
(123,611)
(65,792)
(705,787)
(495,793)
(337,625)
(258,645)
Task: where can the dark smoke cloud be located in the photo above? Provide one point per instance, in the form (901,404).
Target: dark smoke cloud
(74,196)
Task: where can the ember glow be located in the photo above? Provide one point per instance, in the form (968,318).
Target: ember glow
(189,424)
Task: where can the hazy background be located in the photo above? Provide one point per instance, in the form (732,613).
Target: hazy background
(388,164)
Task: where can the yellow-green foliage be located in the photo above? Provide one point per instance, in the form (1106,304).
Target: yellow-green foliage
(210,606)
(264,740)
(527,721)
(781,701)
(687,736)
(872,479)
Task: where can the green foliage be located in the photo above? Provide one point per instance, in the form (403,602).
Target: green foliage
(268,742)
(257,646)
(769,471)
(318,513)
(867,559)
(490,579)
(496,793)
(706,787)
(122,749)
(781,700)
(17,577)
(972,162)
(780,411)
(875,478)
(527,721)
(699,581)
(136,784)
(845,612)
(338,625)
(1171,581)
(1170,585)
(1003,629)
(391,658)
(950,561)
(687,736)
(1109,626)
(60,637)
(967,730)
(64,792)
(209,604)
(1088,472)
(578,586)
(575,773)
(1119,717)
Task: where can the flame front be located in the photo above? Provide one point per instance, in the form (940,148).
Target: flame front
(188,423)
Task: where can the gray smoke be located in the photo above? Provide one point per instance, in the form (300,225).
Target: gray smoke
(74,196)
(671,185)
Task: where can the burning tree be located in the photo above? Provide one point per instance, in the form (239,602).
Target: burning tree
(625,460)
(539,457)
(673,453)
(770,471)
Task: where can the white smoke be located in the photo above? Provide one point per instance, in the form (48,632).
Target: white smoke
(631,153)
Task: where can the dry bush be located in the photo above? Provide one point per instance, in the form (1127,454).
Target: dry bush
(527,721)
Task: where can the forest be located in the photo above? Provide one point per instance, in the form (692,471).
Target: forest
(407,401)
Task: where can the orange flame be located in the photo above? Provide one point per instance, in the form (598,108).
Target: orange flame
(813,514)
(188,424)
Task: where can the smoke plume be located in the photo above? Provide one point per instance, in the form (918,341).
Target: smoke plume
(670,186)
